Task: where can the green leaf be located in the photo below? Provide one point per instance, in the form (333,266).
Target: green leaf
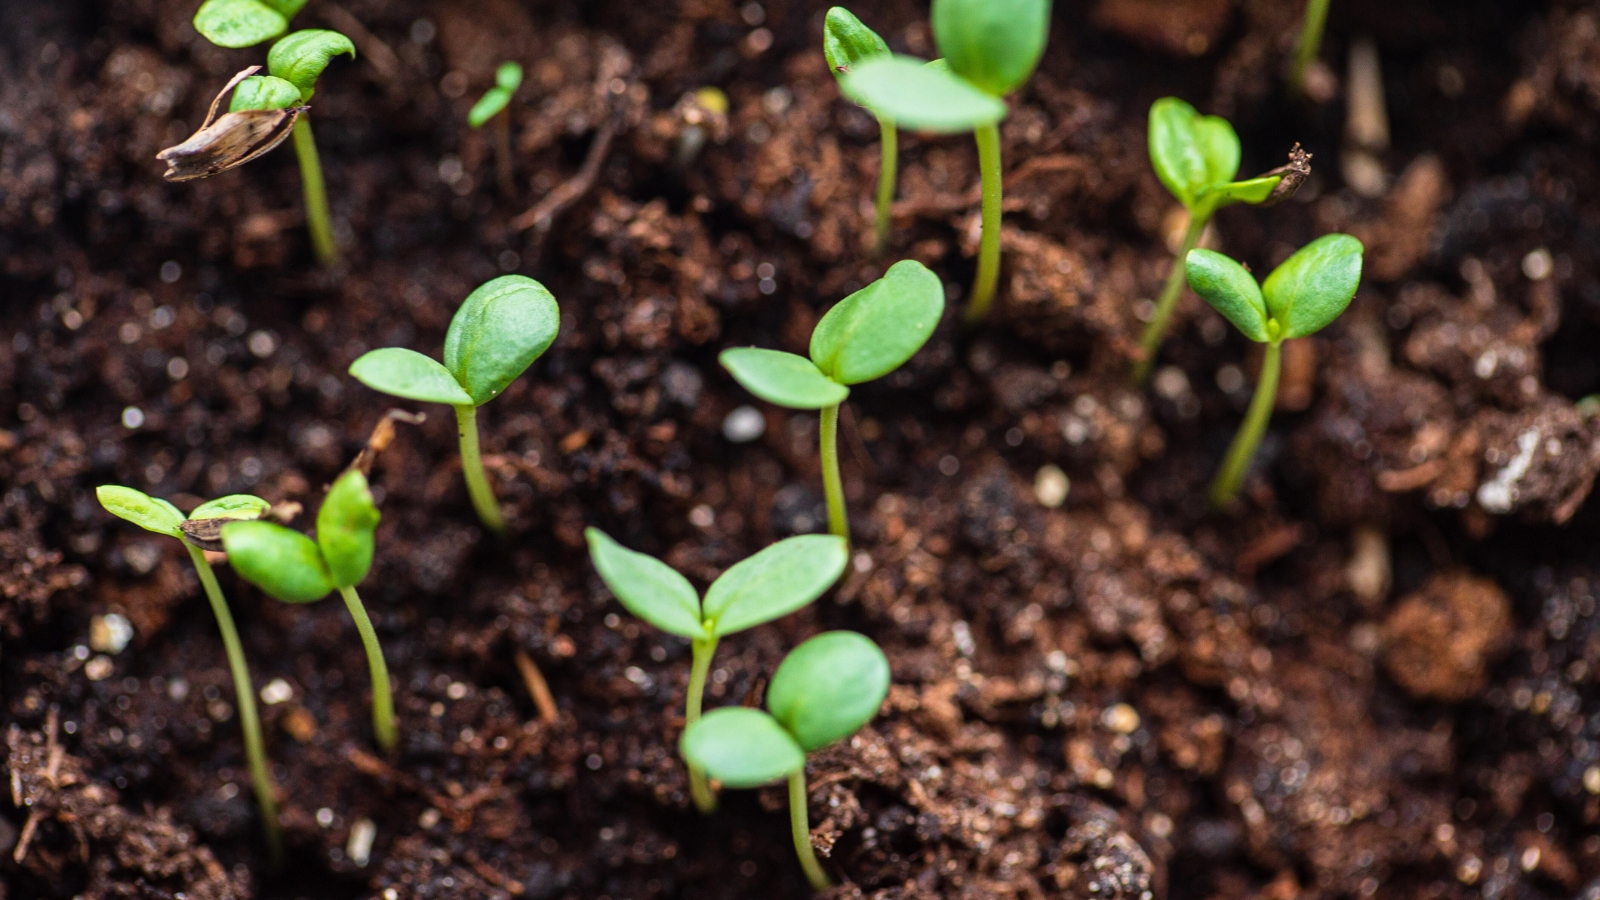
(1190,152)
(919,96)
(647,587)
(488,106)
(828,687)
(498,332)
(406,373)
(233,506)
(301,57)
(1315,285)
(284,563)
(782,378)
(1251,190)
(1230,290)
(264,92)
(345,526)
(874,331)
(775,582)
(846,42)
(289,8)
(141,509)
(994,44)
(741,747)
(240,23)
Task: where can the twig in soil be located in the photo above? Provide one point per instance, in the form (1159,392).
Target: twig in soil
(846,43)
(500,329)
(543,214)
(538,688)
(773,583)
(865,336)
(493,105)
(822,692)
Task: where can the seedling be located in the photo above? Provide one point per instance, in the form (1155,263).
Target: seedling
(1197,159)
(866,335)
(990,48)
(769,585)
(197,532)
(847,43)
(1310,42)
(495,336)
(244,23)
(823,691)
(295,569)
(1298,299)
(492,105)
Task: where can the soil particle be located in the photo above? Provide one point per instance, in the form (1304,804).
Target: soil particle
(1440,640)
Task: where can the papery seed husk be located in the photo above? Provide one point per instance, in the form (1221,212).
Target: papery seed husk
(229,142)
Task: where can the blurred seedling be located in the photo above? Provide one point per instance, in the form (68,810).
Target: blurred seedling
(1308,291)
(847,43)
(865,336)
(1197,159)
(492,106)
(197,532)
(771,584)
(296,569)
(1309,43)
(822,692)
(990,48)
(244,23)
(498,332)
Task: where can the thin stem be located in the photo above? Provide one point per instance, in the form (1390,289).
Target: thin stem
(472,468)
(502,153)
(887,172)
(832,485)
(1310,43)
(800,824)
(254,748)
(1156,331)
(316,193)
(705,799)
(382,699)
(1237,462)
(988,137)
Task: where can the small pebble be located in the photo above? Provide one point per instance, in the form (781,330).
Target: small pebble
(1591,779)
(359,847)
(276,691)
(98,669)
(110,633)
(744,424)
(1121,718)
(1050,486)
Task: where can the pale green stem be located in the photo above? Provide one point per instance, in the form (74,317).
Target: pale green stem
(1234,466)
(983,287)
(800,824)
(502,151)
(887,172)
(832,485)
(699,787)
(472,468)
(1310,42)
(1156,331)
(254,748)
(316,193)
(383,727)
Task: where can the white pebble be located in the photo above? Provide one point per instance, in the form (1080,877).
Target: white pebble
(744,424)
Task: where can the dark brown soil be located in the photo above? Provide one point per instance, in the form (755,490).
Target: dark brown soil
(1379,678)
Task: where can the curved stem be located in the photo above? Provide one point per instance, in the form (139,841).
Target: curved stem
(1237,462)
(705,799)
(988,137)
(1156,331)
(254,748)
(832,485)
(316,193)
(472,468)
(1310,43)
(800,824)
(888,170)
(382,699)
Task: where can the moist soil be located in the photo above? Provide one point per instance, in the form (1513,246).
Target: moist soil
(1375,677)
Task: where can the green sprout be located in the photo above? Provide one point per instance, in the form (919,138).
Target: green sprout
(295,569)
(823,691)
(498,332)
(1197,159)
(491,106)
(866,335)
(771,584)
(197,533)
(244,23)
(847,43)
(1310,42)
(1298,299)
(990,48)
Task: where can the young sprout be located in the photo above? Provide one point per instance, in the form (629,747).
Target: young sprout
(1298,299)
(823,691)
(1310,42)
(847,43)
(495,336)
(990,48)
(866,335)
(295,569)
(491,106)
(1197,158)
(197,533)
(769,585)
(244,23)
